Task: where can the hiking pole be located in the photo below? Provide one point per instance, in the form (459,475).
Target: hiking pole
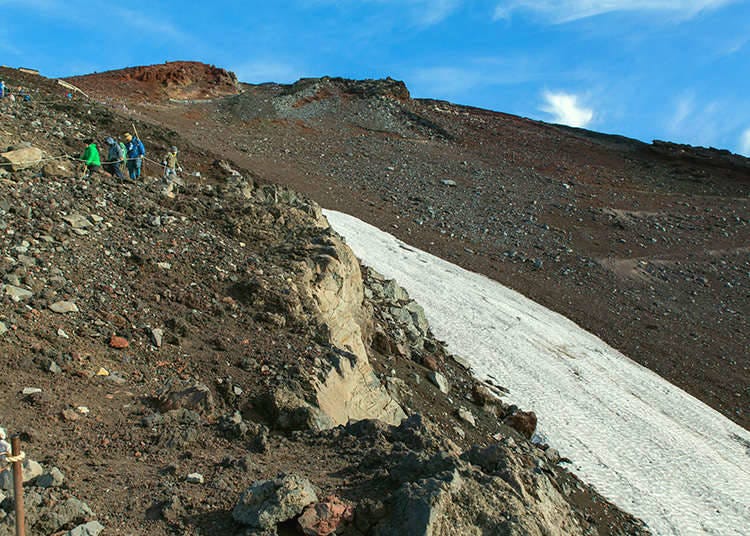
(15,443)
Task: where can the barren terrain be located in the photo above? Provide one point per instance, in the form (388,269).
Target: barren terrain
(162,353)
(647,246)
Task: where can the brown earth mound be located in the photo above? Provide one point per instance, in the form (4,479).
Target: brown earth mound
(180,80)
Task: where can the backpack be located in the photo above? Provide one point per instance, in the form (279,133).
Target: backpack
(124,151)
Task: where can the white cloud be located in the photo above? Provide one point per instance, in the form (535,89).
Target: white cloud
(565,109)
(561,11)
(745,143)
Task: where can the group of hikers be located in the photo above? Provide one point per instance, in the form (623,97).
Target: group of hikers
(7,91)
(126,154)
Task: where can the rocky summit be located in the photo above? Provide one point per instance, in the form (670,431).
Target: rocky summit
(211,357)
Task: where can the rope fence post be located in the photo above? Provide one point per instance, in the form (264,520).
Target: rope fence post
(15,444)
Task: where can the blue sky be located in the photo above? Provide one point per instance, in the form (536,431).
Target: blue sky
(649,69)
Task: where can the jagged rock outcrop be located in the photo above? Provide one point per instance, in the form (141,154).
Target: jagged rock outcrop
(348,389)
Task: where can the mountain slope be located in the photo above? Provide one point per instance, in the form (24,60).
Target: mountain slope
(161,354)
(646,246)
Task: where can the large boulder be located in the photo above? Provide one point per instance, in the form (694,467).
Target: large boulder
(24,158)
(348,388)
(269,502)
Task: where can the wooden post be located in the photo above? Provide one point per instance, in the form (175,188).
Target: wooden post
(15,443)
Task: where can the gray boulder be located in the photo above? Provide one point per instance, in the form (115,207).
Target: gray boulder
(269,502)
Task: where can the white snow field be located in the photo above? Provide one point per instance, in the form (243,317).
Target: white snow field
(646,445)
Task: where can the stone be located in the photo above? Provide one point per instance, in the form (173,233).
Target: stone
(65,513)
(439,381)
(157,336)
(523,422)
(63,307)
(465,415)
(69,414)
(197,398)
(92,528)
(291,412)
(448,182)
(53,478)
(269,502)
(30,471)
(17,293)
(77,221)
(195,478)
(482,396)
(323,518)
(430,362)
(22,158)
(28,391)
(118,342)
(3,328)
(393,292)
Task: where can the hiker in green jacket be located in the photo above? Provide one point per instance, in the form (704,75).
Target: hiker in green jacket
(90,157)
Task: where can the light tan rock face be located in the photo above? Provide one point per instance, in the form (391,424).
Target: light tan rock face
(22,158)
(349,390)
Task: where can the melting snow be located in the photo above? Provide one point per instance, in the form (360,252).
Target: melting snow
(646,445)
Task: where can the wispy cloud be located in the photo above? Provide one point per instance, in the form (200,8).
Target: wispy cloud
(566,110)
(745,143)
(561,11)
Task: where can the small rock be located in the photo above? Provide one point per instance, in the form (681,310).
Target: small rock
(102,372)
(440,381)
(465,415)
(118,342)
(448,182)
(69,415)
(30,391)
(77,221)
(157,336)
(522,421)
(430,362)
(269,502)
(323,518)
(17,293)
(51,479)
(92,528)
(195,478)
(63,307)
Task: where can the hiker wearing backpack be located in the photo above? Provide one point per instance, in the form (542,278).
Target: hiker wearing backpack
(115,157)
(135,155)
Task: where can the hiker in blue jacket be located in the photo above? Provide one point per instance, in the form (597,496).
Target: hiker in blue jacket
(136,151)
